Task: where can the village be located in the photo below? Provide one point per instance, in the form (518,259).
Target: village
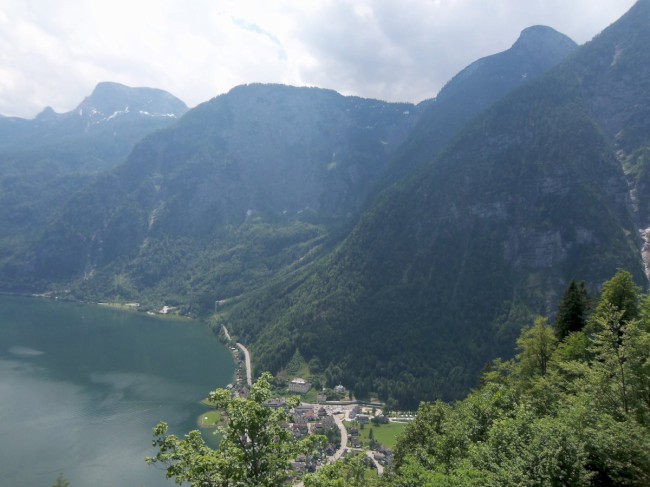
(351,427)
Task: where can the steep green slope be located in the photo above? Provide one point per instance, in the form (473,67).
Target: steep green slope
(270,156)
(244,185)
(438,277)
(44,161)
(476,88)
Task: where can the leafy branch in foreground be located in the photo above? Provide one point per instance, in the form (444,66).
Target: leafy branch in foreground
(255,448)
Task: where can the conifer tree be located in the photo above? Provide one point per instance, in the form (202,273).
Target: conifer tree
(572,310)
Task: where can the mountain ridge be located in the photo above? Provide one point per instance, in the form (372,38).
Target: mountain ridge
(477,87)
(461,254)
(268,194)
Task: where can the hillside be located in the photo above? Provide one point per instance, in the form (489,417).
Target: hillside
(242,186)
(438,277)
(271,172)
(247,201)
(476,88)
(44,161)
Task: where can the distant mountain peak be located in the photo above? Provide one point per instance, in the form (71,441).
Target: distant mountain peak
(542,36)
(109,100)
(47,114)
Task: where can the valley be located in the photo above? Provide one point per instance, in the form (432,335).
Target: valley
(397,248)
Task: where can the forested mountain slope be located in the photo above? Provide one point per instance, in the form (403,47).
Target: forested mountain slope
(476,88)
(243,185)
(257,186)
(44,161)
(438,277)
(268,168)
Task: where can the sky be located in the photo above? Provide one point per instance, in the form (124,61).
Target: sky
(53,52)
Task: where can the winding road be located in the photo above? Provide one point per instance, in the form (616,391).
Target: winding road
(225,332)
(344,440)
(247,357)
(337,419)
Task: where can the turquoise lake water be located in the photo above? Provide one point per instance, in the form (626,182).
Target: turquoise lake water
(82,386)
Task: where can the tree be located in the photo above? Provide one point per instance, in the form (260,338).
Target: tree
(536,345)
(572,310)
(621,369)
(621,292)
(349,472)
(61,481)
(255,449)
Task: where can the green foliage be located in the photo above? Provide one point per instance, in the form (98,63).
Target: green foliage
(620,293)
(571,316)
(61,481)
(255,449)
(349,472)
(581,419)
(536,345)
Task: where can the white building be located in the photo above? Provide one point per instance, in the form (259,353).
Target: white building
(299,386)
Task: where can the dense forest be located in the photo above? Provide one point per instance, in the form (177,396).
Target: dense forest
(572,408)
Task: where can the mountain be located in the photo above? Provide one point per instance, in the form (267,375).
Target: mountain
(440,274)
(276,152)
(243,204)
(241,186)
(111,100)
(44,161)
(96,135)
(476,88)
(262,156)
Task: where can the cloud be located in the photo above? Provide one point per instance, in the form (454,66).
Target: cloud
(53,53)
(408,50)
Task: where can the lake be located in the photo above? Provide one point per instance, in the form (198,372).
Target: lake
(82,386)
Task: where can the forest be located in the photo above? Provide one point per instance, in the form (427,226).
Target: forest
(572,408)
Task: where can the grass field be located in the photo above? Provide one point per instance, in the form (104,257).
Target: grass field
(385,434)
(209,419)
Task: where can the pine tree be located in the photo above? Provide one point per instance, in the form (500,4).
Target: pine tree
(572,310)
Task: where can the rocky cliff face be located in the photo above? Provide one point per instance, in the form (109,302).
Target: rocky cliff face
(111,100)
(103,128)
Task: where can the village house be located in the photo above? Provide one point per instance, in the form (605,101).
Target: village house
(304,408)
(299,386)
(278,402)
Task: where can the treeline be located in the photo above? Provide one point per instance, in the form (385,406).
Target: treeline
(571,408)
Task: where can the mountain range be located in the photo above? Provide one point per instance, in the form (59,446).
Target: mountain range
(44,161)
(394,247)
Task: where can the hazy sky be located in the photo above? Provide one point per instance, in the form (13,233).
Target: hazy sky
(53,52)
